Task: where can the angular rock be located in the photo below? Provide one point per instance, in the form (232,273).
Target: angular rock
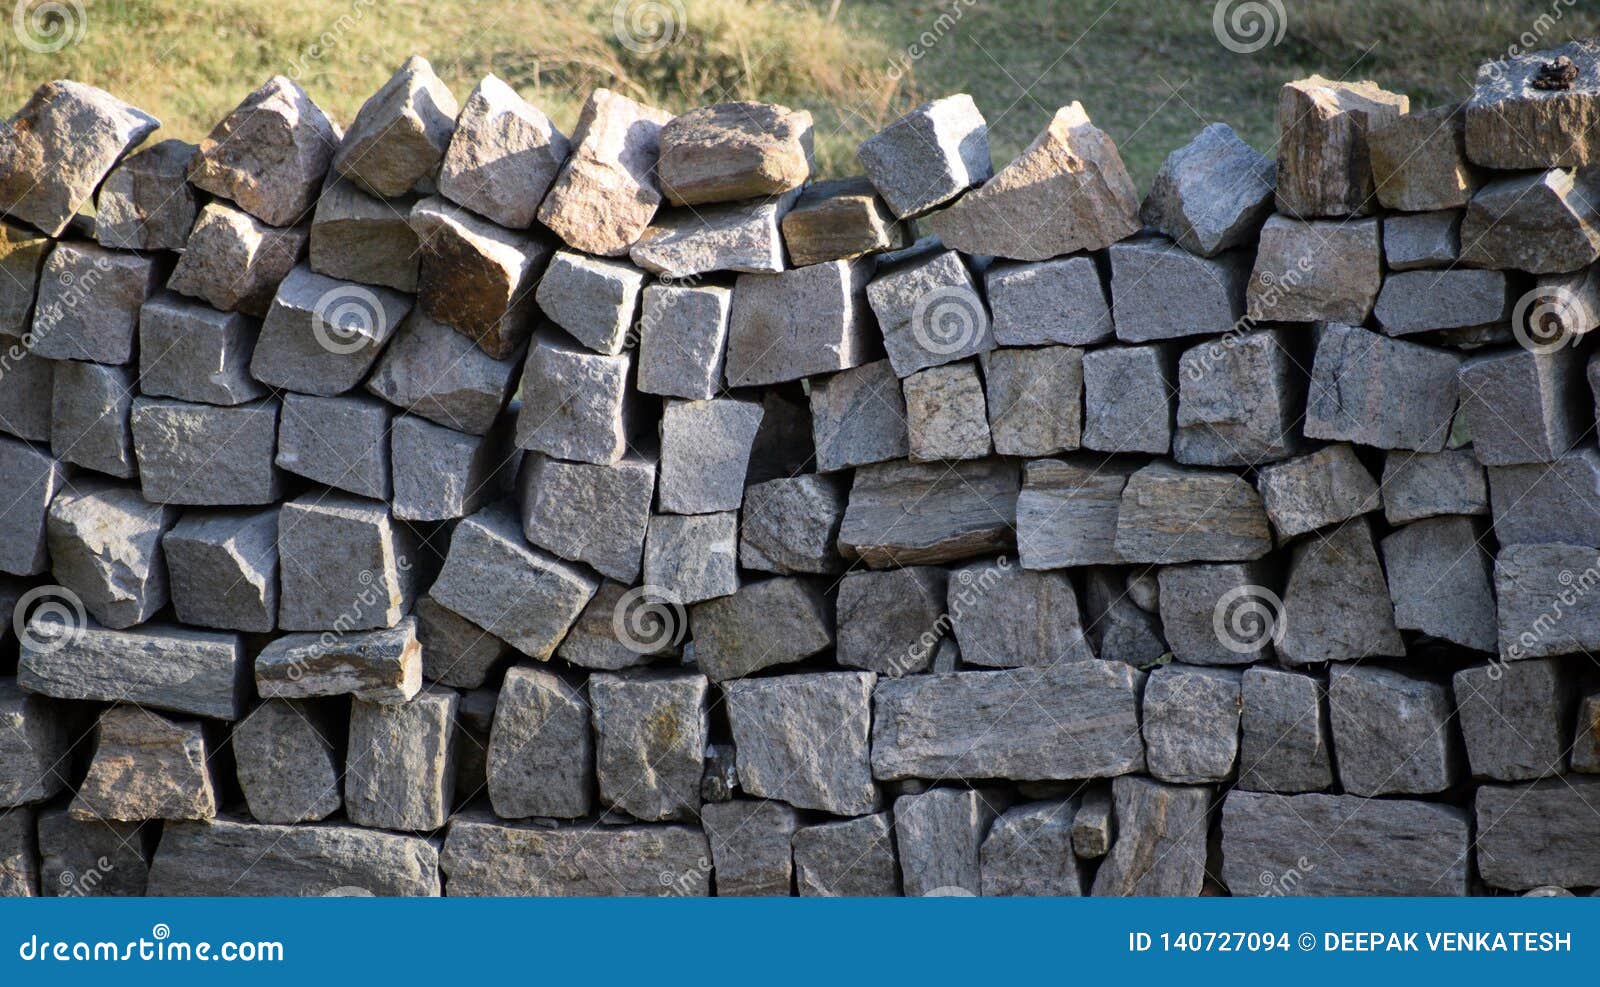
(705,447)
(195,353)
(1416,240)
(202,673)
(1426,301)
(400,134)
(1191,723)
(740,236)
(683,331)
(1538,834)
(341,441)
(1544,604)
(890,622)
(1313,491)
(803,739)
(234,262)
(223,569)
(1285,744)
(1117,628)
(346,566)
(26,390)
(29,481)
(918,514)
(89,416)
(1523,407)
(203,455)
(732,151)
(945,414)
(858,417)
(1035,399)
(592,298)
(1242,407)
(400,771)
(382,667)
(783,445)
(541,753)
(1585,751)
(1028,853)
(1380,392)
(1067,512)
(146,767)
(476,277)
(929,156)
(1336,605)
(939,835)
(1075,719)
(1421,485)
(1438,572)
(1323,166)
(321,335)
(1514,718)
(22,256)
(1419,160)
(105,547)
(1052,301)
(849,858)
(1066,191)
(1221,613)
(1315,271)
(575,404)
(1547,502)
(33,746)
(605,194)
(930,312)
(690,558)
(1093,825)
(269,155)
(650,742)
(1160,850)
(750,847)
(1172,514)
(773,622)
(840,219)
(1513,121)
(1159,290)
(1544,222)
(791,525)
(455,651)
(434,371)
(1392,732)
(588,513)
(811,320)
(503,157)
(91,859)
(227,857)
(288,765)
(1130,397)
(1211,194)
(483,856)
(623,628)
(355,237)
(145,203)
(441,474)
(88,302)
(1004,616)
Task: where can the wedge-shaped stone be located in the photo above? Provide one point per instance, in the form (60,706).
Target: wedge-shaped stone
(203,673)
(929,156)
(1028,853)
(803,739)
(400,770)
(1159,290)
(541,752)
(1391,732)
(1076,719)
(400,134)
(1438,572)
(1516,119)
(938,836)
(146,767)
(1544,604)
(811,320)
(455,651)
(650,742)
(1315,271)
(1066,191)
(195,353)
(89,414)
(858,417)
(22,256)
(383,666)
(29,481)
(1336,603)
(1539,834)
(1513,717)
(269,155)
(88,302)
(840,219)
(33,746)
(705,449)
(355,237)
(576,404)
(1380,392)
(695,240)
(592,298)
(917,514)
(1545,222)
(1313,491)
(1160,849)
(1523,407)
(1323,166)
(223,569)
(587,513)
(105,546)
(890,622)
(606,194)
(288,766)
(1211,194)
(1285,744)
(850,858)
(322,335)
(346,566)
(235,262)
(436,372)
(1422,485)
(225,857)
(1220,613)
(476,277)
(1170,514)
(750,847)
(1419,160)
(484,857)
(773,622)
(503,157)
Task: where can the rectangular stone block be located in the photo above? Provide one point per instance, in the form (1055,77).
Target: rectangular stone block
(203,455)
(1035,399)
(33,748)
(840,219)
(1524,407)
(683,335)
(1380,392)
(692,558)
(939,835)
(1051,301)
(1160,849)
(1191,723)
(890,622)
(203,673)
(195,353)
(1545,602)
(400,771)
(1241,407)
(29,481)
(89,414)
(358,237)
(1428,301)
(1421,240)
(575,404)
(803,739)
(321,335)
(767,623)
(1172,514)
(791,525)
(705,449)
(650,742)
(811,320)
(730,236)
(1067,512)
(1317,271)
(1285,745)
(288,766)
(1028,852)
(88,302)
(383,667)
(1438,573)
(1419,485)
(146,766)
(541,758)
(858,417)
(441,474)
(477,277)
(1161,291)
(929,311)
(223,569)
(434,371)
(455,651)
(484,857)
(1313,491)
(1514,718)
(225,857)
(852,858)
(1004,616)
(105,547)
(342,442)
(917,514)
(1129,399)
(1336,603)
(234,262)
(25,388)
(346,566)
(1391,732)
(1539,834)
(750,847)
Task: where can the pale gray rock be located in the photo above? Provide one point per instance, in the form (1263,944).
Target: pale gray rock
(1129,399)
(1051,301)
(202,673)
(1220,613)
(683,333)
(1524,407)
(891,622)
(235,262)
(750,847)
(1315,271)
(791,525)
(705,448)
(592,298)
(858,417)
(811,320)
(575,404)
(623,628)
(1191,723)
(606,194)
(945,413)
(322,335)
(340,441)
(441,474)
(849,858)
(228,857)
(929,156)
(476,277)
(88,302)
(1067,512)
(695,240)
(1336,605)
(930,312)
(203,455)
(1211,194)
(33,746)
(1159,290)
(146,766)
(145,202)
(1392,732)
(939,835)
(1544,607)
(29,481)
(1285,744)
(1547,502)
(483,857)
(26,390)
(1004,616)
(1323,168)
(1438,573)
(1035,399)
(223,569)
(195,353)
(355,237)
(1242,407)
(840,219)
(1375,391)
(1075,719)
(105,547)
(399,771)
(1171,514)
(1538,834)
(288,764)
(1426,301)
(1420,485)
(1543,222)
(1028,853)
(455,651)
(920,513)
(732,151)
(1160,849)
(383,666)
(1419,160)
(269,155)
(1512,121)
(587,513)
(650,740)
(90,859)
(436,372)
(1313,491)
(401,132)
(345,565)
(541,752)
(503,157)
(89,414)
(1513,717)
(803,739)
(767,623)
(690,558)
(1420,240)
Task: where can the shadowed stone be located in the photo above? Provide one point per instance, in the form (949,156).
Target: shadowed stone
(1028,852)
(1547,502)
(33,746)
(1438,572)
(890,622)
(1242,408)
(321,335)
(203,455)
(791,525)
(1093,825)
(227,857)
(476,277)
(340,441)
(1336,603)
(1211,194)
(1523,407)
(436,372)
(929,156)
(1539,834)
(1428,239)
(1172,514)
(915,514)
(29,481)
(1427,301)
(1067,512)
(803,739)
(1544,222)
(1514,718)
(91,859)
(503,157)
(235,262)
(1220,613)
(1381,392)
(541,753)
(355,237)
(223,568)
(1007,617)
(939,835)
(773,622)
(288,766)
(1285,745)
(89,416)
(441,474)
(485,857)
(622,628)
(1422,485)
(1323,166)
(88,302)
(455,651)
(1539,612)
(840,219)
(858,417)
(587,513)
(195,353)
(1419,160)
(22,255)
(850,858)
(145,203)
(750,847)
(105,546)
(1160,850)
(1159,290)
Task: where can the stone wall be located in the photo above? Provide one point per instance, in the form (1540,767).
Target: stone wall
(448,504)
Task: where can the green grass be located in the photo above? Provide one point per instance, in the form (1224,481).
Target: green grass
(1150,72)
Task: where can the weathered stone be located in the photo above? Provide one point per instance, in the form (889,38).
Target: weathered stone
(321,336)
(1191,723)
(91,859)
(1117,628)
(705,447)
(588,513)
(1438,572)
(1170,514)
(223,569)
(918,514)
(939,835)
(1052,301)
(858,417)
(622,628)
(1342,845)
(455,651)
(1323,166)
(88,302)
(1391,732)
(1547,502)
(592,298)
(683,331)
(1514,122)
(736,236)
(400,772)
(792,525)
(1313,491)
(1035,399)
(383,666)
(235,262)
(1381,392)
(1067,512)
(33,746)
(145,203)
(22,256)
(1537,834)
(1585,751)
(945,414)
(19,858)
(400,134)
(355,237)
(1239,404)
(483,856)
(650,741)
(105,546)
(1421,485)
(1540,612)
(29,481)
(929,156)
(1075,719)
(930,312)
(1066,191)
(1130,397)
(26,388)
(57,148)
(503,157)
(226,857)
(1317,271)
(605,194)
(810,320)
(1419,160)
(1417,240)
(203,455)
(1285,744)
(803,739)
(340,441)
(1093,824)
(434,371)
(346,566)
(1028,852)
(1522,406)
(146,767)
(576,404)
(773,622)
(1427,301)
(1221,613)
(1161,291)
(1545,222)
(441,474)
(849,858)
(750,847)
(1336,605)
(732,151)
(476,277)
(840,219)
(195,353)
(269,155)
(890,622)
(541,753)
(1160,850)
(288,765)
(520,594)
(1007,617)
(203,673)
(691,558)
(1211,194)
(89,413)
(1514,718)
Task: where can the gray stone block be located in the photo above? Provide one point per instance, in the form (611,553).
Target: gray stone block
(696,240)
(345,565)
(690,558)
(946,415)
(356,237)
(1380,392)
(88,302)
(477,277)
(455,651)
(1129,399)
(1028,853)
(1543,222)
(321,335)
(750,847)
(840,219)
(605,193)
(22,254)
(1211,194)
(939,835)
(772,622)
(803,739)
(383,666)
(223,569)
(195,353)
(146,766)
(105,547)
(1171,514)
(1221,613)
(399,771)
(891,622)
(1538,834)
(1315,490)
(588,513)
(1160,849)
(1191,723)
(1239,407)
(1316,271)
(203,455)
(29,481)
(1067,512)
(1336,604)
(623,628)
(705,449)
(1438,573)
(1514,718)
(235,262)
(340,441)
(1117,628)
(89,417)
(436,372)
(1420,485)
(849,858)
(26,389)
(541,752)
(33,748)
(650,742)
(228,857)
(1524,407)
(1050,301)
(90,859)
(1285,744)
(1544,603)
(930,312)
(1094,824)
(929,156)
(503,157)
(1426,301)
(1392,732)
(202,673)
(1004,616)
(1159,290)
(270,154)
(811,320)
(575,404)
(921,514)
(1421,240)
(791,525)
(1035,399)
(483,856)
(400,134)
(441,474)
(592,298)
(683,330)
(288,764)
(858,417)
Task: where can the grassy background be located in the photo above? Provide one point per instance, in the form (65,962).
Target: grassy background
(1151,72)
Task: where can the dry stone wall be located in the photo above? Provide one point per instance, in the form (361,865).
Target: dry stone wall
(447,504)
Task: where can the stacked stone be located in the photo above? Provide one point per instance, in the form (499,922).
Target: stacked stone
(444,504)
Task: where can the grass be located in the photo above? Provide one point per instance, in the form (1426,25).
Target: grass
(1150,72)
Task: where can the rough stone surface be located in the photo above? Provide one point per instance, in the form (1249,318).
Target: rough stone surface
(1512,123)
(1028,853)
(1242,408)
(1211,194)
(650,741)
(683,334)
(1538,834)
(503,157)
(587,513)
(483,857)
(441,474)
(849,858)
(939,835)
(105,546)
(1319,270)
(541,752)
(605,194)
(1547,502)
(32,747)
(89,414)
(705,448)
(1004,616)
(322,335)
(1336,605)
(195,353)
(810,320)
(1323,124)
(1160,849)
(223,569)
(803,739)
(90,859)
(1285,744)
(145,202)
(399,771)
(1419,160)
(751,847)
(946,415)
(1129,399)
(1035,399)
(339,441)
(1391,732)
(1170,514)
(383,667)
(840,219)
(576,404)
(1313,491)
(890,622)
(1513,718)
(1380,392)
(436,372)
(401,132)
(346,566)
(455,651)
(1544,222)
(692,557)
(858,417)
(355,237)
(1418,240)
(791,525)
(26,390)
(288,765)
(1523,407)
(146,767)
(1159,290)
(916,514)
(930,312)
(88,302)
(695,240)
(235,262)
(1052,301)
(1429,301)
(929,156)
(477,277)
(773,622)
(269,155)
(1220,613)
(592,298)
(225,857)
(202,673)
(1539,612)
(1191,723)
(1067,512)
(1438,572)
(29,481)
